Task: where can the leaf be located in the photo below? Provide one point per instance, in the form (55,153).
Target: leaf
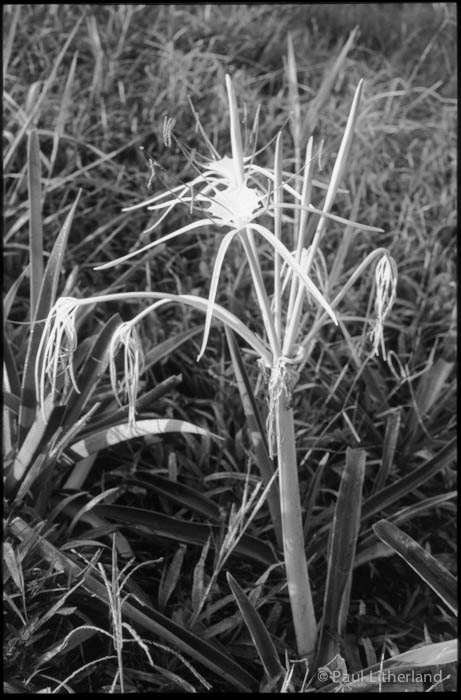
(389,445)
(426,566)
(10,367)
(46,300)
(114,416)
(91,372)
(326,86)
(35,219)
(163,350)
(293,93)
(13,567)
(341,553)
(169,581)
(430,386)
(181,531)
(25,466)
(259,634)
(64,107)
(198,580)
(121,433)
(408,483)
(256,432)
(183,495)
(405,514)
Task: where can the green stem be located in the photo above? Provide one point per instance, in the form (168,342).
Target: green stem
(260,290)
(292,528)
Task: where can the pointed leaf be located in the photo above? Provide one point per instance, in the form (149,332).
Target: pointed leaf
(188,532)
(10,367)
(35,219)
(163,350)
(169,581)
(257,432)
(259,634)
(121,433)
(181,494)
(426,566)
(45,302)
(344,533)
(111,416)
(39,435)
(93,368)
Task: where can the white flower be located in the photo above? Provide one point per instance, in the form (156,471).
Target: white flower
(234,206)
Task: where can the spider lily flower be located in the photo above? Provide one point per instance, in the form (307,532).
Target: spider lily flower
(234,206)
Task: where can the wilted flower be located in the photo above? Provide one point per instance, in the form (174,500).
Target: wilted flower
(386,286)
(126,336)
(57,346)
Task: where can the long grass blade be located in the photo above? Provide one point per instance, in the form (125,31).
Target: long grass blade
(9,40)
(63,112)
(313,113)
(10,368)
(46,300)
(31,457)
(426,566)
(91,372)
(170,579)
(278,203)
(256,432)
(392,493)
(35,219)
(259,634)
(167,347)
(344,533)
(391,436)
(113,415)
(187,532)
(95,442)
(338,171)
(430,386)
(182,495)
(404,515)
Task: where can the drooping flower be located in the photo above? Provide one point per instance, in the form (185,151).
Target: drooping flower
(56,349)
(386,287)
(126,336)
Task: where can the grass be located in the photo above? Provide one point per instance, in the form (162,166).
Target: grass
(148,555)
